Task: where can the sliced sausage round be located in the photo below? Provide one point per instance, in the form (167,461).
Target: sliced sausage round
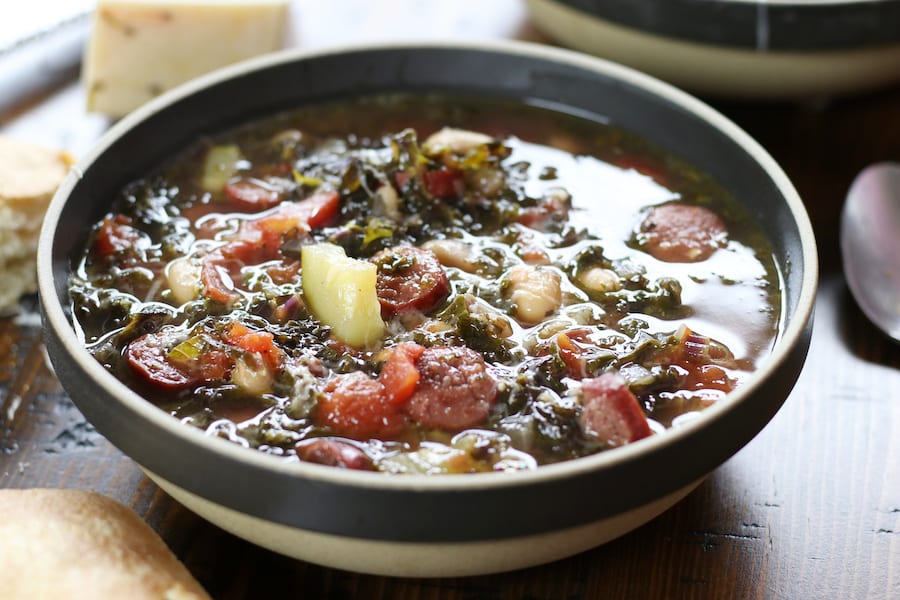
(355,405)
(678,232)
(409,278)
(251,194)
(334,453)
(147,357)
(455,390)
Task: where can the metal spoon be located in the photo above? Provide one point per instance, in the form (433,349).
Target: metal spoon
(870,244)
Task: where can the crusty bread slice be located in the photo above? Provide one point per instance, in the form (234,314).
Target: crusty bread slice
(77,544)
(17,243)
(21,215)
(17,277)
(29,176)
(29,173)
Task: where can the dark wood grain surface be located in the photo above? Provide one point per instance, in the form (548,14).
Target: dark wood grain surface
(809,509)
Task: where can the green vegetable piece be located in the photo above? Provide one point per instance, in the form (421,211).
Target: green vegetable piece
(376,230)
(187,350)
(307,181)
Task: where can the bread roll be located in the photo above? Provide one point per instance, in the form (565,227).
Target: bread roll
(76,544)
(17,277)
(29,176)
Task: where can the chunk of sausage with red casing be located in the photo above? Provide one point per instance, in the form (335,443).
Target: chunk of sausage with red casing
(355,405)
(148,357)
(610,413)
(678,232)
(409,278)
(455,390)
(334,453)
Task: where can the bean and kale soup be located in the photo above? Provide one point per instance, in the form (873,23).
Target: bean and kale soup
(427,285)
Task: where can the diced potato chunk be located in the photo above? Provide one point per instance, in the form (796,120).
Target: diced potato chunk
(340,292)
(220,165)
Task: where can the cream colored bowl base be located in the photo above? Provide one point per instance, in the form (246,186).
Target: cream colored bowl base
(410,559)
(722,71)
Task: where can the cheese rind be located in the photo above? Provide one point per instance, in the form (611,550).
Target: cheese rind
(139,49)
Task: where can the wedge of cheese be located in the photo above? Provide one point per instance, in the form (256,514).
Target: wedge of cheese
(140,48)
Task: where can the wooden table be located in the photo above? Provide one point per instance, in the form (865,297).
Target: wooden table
(809,509)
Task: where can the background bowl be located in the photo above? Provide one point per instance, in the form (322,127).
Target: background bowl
(420,525)
(749,49)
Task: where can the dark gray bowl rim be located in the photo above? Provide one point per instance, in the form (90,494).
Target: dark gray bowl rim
(334,491)
(762,26)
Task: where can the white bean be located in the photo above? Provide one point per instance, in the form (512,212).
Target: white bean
(453,253)
(457,141)
(490,181)
(390,200)
(183,277)
(534,291)
(493,320)
(255,379)
(598,279)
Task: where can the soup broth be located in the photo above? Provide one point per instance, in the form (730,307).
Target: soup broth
(417,284)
